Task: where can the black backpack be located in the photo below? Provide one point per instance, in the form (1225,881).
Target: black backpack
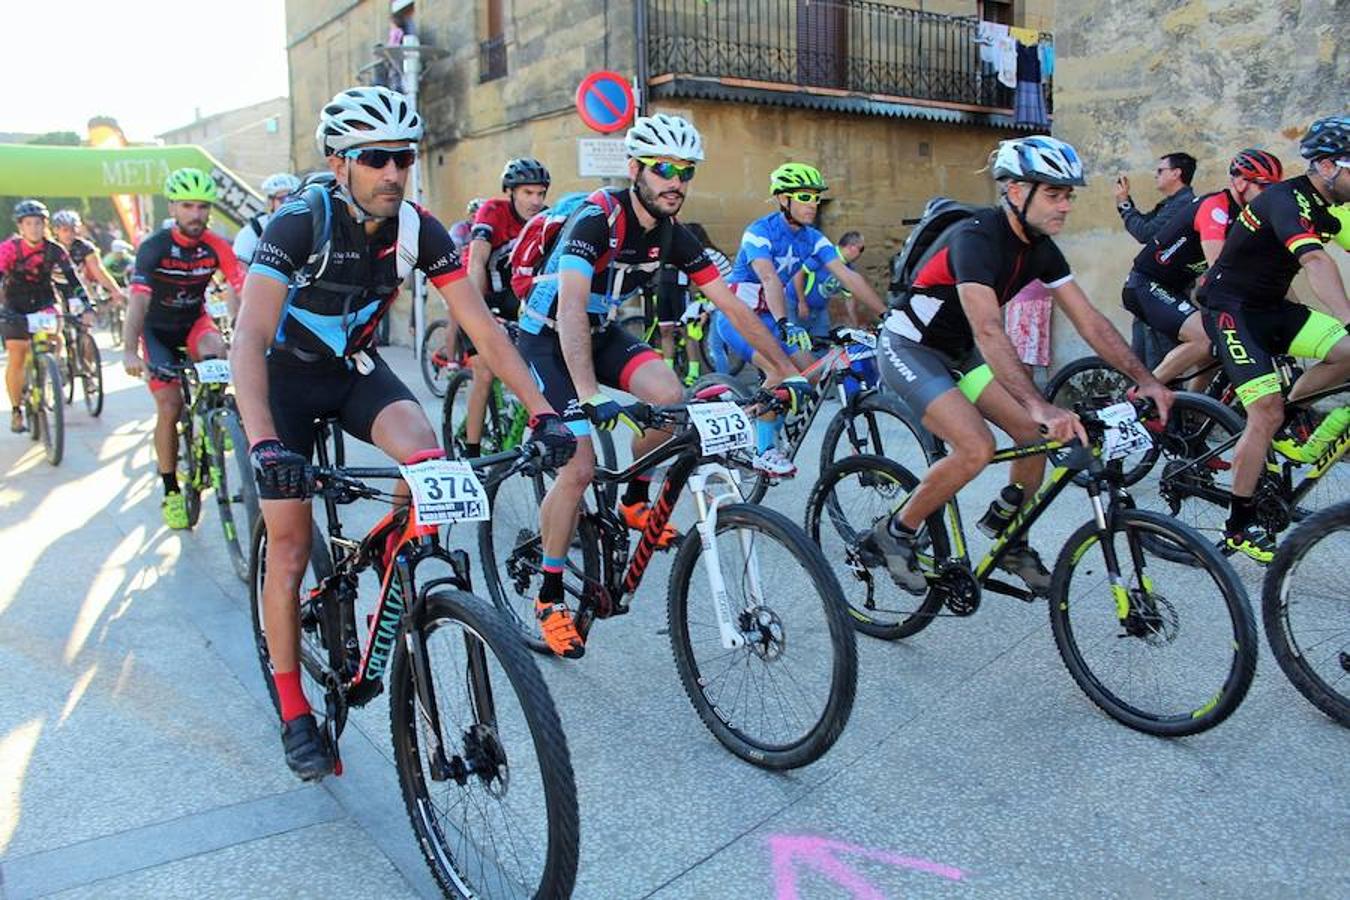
(940,217)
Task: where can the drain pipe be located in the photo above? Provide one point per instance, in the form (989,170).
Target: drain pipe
(640,80)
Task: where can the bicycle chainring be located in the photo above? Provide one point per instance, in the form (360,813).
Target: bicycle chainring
(1274,512)
(957,587)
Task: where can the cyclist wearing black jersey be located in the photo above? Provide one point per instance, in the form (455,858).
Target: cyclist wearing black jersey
(573,344)
(934,348)
(1250,320)
(303,348)
(85,256)
(1158,287)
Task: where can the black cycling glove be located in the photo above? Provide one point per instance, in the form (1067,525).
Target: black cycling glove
(280,473)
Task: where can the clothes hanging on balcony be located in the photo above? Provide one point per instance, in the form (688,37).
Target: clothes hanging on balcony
(987,35)
(1027,37)
(1047,60)
(1028,63)
(1029,101)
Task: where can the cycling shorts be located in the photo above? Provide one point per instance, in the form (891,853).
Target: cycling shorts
(670,306)
(918,374)
(734,340)
(15,328)
(1164,309)
(1245,341)
(164,346)
(301,392)
(616,354)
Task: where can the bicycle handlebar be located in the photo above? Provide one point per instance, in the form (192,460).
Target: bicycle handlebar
(345,482)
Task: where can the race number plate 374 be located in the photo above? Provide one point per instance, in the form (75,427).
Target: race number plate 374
(446,491)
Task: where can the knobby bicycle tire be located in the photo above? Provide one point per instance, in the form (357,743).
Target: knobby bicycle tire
(1275,615)
(228,445)
(483,626)
(866,413)
(52,414)
(190,466)
(91,379)
(1223,699)
(434,377)
(766,525)
(823,510)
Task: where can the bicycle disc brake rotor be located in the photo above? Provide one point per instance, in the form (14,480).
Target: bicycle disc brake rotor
(764,632)
(957,587)
(486,758)
(1153,618)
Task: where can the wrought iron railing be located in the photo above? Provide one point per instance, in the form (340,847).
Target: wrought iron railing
(853,45)
(491,59)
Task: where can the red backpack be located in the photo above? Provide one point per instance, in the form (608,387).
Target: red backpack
(540,235)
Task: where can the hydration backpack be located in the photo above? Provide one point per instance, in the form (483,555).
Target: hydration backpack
(540,235)
(940,216)
(320,202)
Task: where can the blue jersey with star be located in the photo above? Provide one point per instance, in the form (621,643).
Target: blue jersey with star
(773,239)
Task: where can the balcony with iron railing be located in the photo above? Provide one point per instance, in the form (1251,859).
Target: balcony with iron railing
(826,47)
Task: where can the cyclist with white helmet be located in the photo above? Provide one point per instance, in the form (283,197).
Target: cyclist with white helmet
(946,354)
(304,349)
(88,264)
(774,249)
(119,260)
(276,188)
(610,247)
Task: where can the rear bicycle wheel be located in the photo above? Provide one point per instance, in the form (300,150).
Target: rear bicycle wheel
(1171,651)
(1306,614)
(846,503)
(782,698)
(52,413)
(236,491)
(70,365)
(495,811)
(454,411)
(434,371)
(91,374)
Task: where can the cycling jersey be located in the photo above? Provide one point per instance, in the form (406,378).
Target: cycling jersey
(337,313)
(246,241)
(28,271)
(982,249)
(1174,257)
(498,224)
(789,249)
(582,243)
(118,266)
(174,270)
(1260,257)
(79,250)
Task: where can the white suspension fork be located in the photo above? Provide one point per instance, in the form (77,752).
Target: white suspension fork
(712,485)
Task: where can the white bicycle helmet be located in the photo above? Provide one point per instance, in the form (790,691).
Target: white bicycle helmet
(66,217)
(280,183)
(663,135)
(120,246)
(364,115)
(1039,158)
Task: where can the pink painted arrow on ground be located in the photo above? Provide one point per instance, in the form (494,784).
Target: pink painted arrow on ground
(793,851)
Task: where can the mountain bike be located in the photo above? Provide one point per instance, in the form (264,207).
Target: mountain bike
(482,761)
(435,362)
(1167,650)
(43,410)
(83,363)
(868,421)
(1303,607)
(761,636)
(213,453)
(691,330)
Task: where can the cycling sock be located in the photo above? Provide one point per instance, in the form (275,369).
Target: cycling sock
(473,451)
(170,482)
(765,431)
(1241,513)
(551,591)
(670,361)
(898,529)
(639,491)
(290,695)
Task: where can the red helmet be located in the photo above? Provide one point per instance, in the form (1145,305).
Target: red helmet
(1256,165)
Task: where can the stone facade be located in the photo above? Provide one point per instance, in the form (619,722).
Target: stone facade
(1137,80)
(252,141)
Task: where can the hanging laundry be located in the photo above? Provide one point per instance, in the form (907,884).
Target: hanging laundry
(987,35)
(1027,37)
(1006,53)
(1047,60)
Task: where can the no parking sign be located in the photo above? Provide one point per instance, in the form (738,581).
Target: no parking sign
(605,101)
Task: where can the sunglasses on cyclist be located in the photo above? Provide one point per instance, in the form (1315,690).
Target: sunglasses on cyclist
(378,157)
(810,197)
(662,169)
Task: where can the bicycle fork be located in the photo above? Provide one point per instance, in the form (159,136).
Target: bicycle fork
(707,501)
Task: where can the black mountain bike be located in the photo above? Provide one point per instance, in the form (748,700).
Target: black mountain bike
(82,364)
(43,410)
(760,637)
(482,760)
(1165,649)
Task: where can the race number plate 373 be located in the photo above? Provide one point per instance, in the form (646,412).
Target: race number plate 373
(445,491)
(721,427)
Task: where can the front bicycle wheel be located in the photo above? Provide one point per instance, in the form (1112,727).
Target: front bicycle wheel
(879,424)
(115,326)
(91,374)
(434,371)
(236,491)
(846,503)
(190,467)
(781,697)
(52,414)
(1168,649)
(1306,613)
(492,797)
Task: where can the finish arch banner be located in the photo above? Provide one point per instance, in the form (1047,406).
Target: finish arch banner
(39,171)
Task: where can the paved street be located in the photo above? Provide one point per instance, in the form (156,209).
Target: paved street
(139,753)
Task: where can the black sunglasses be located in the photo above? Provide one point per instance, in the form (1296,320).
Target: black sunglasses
(378,157)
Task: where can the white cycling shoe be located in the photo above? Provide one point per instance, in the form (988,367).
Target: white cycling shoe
(774,463)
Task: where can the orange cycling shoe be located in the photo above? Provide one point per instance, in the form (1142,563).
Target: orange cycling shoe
(560,632)
(635,516)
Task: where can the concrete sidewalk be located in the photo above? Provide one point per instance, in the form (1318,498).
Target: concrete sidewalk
(139,753)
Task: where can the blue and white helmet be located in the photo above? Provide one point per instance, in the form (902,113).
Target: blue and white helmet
(1039,158)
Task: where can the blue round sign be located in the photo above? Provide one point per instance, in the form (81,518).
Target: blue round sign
(605,101)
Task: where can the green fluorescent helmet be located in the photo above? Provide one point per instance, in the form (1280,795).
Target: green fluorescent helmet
(190,184)
(795,177)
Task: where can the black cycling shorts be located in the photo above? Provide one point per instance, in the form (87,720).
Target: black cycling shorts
(615,353)
(671,302)
(1245,340)
(300,392)
(506,307)
(1163,308)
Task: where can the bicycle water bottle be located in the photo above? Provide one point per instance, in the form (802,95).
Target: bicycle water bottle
(1002,510)
(1331,428)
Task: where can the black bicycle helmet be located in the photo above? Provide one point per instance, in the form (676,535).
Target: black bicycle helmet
(25,208)
(525,170)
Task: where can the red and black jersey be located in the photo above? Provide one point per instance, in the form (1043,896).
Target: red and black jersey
(980,250)
(1174,258)
(1260,257)
(497,223)
(28,271)
(175,270)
